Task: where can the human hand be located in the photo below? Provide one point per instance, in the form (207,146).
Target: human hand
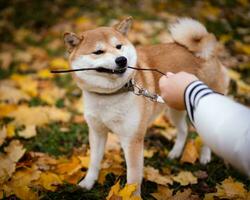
(173,87)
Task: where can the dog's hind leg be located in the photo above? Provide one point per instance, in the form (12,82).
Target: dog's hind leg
(97,141)
(178,118)
(133,150)
(205,155)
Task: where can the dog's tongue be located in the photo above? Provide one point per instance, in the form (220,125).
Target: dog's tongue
(111,71)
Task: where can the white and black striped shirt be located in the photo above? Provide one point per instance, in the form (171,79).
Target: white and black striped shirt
(223,124)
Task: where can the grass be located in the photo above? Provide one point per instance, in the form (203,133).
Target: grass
(52,139)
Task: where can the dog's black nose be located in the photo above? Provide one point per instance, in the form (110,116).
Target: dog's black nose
(121,61)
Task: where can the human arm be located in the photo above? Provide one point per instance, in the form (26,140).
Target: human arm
(223,124)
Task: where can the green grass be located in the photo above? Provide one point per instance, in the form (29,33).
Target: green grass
(53,140)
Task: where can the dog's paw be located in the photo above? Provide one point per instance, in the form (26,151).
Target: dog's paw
(87,184)
(174,154)
(205,156)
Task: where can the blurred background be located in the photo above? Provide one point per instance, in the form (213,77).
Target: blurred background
(43,134)
(28,24)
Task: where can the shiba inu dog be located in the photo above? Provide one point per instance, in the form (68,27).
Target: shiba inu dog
(109,106)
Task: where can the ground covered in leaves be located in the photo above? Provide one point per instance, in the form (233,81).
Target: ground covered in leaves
(44,148)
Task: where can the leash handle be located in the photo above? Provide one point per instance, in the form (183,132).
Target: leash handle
(139,91)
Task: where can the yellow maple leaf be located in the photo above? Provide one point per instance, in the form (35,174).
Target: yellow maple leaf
(26,83)
(125,193)
(20,183)
(51,94)
(84,161)
(148,153)
(185,178)
(3,135)
(28,132)
(24,192)
(154,175)
(49,181)
(190,153)
(5,109)
(74,178)
(24,115)
(114,190)
(10,130)
(70,166)
(209,11)
(162,193)
(229,189)
(14,151)
(44,73)
(12,94)
(59,63)
(243,48)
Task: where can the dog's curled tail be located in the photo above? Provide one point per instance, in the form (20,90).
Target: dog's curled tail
(194,36)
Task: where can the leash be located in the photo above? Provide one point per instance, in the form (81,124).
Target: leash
(132,85)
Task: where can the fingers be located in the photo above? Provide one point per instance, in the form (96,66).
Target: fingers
(169,74)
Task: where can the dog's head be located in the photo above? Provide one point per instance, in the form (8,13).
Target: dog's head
(106,47)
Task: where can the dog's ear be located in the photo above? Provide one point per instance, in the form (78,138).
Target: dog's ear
(124,26)
(71,40)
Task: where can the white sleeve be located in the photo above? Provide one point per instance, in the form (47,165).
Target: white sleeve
(223,124)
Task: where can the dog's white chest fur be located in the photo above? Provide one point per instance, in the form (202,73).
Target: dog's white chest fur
(119,113)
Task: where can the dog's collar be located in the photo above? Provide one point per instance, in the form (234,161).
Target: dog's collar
(128,87)
(131,86)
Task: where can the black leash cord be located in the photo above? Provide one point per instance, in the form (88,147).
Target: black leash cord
(102,69)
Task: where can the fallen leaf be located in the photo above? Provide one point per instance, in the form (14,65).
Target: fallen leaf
(69,167)
(24,115)
(229,189)
(5,109)
(14,151)
(114,190)
(85,160)
(10,130)
(153,175)
(185,178)
(242,48)
(44,74)
(125,193)
(51,94)
(190,153)
(162,193)
(12,94)
(49,181)
(3,135)
(148,153)
(28,132)
(6,59)
(59,63)
(26,84)
(186,194)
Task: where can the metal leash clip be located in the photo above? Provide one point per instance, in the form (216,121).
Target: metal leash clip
(139,91)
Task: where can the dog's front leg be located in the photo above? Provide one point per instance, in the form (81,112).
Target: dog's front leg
(133,150)
(97,141)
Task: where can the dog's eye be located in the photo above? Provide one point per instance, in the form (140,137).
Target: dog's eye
(98,52)
(119,46)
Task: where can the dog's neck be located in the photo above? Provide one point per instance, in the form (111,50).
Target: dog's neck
(128,87)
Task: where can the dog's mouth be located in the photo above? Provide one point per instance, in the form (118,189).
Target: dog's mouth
(111,71)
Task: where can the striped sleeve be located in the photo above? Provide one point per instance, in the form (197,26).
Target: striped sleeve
(193,93)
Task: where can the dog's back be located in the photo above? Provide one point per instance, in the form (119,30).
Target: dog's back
(192,51)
